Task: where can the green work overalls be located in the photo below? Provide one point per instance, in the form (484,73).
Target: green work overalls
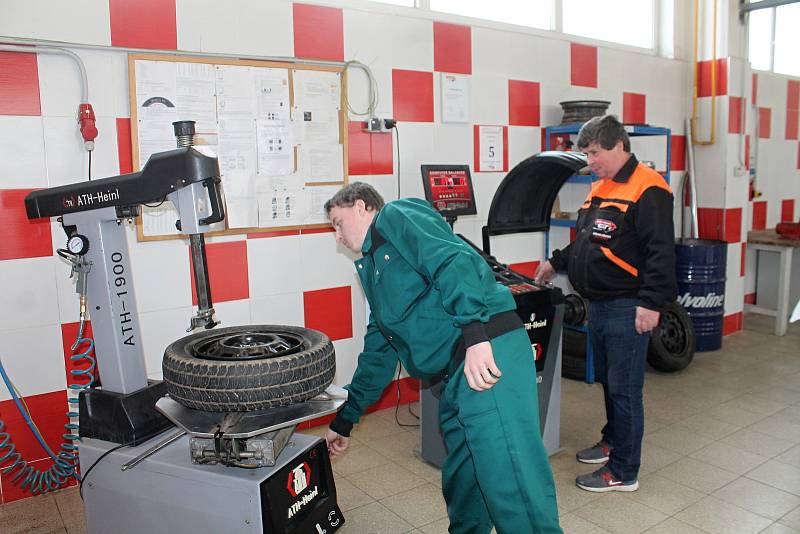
(423,285)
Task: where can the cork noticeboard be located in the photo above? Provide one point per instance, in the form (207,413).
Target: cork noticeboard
(278,129)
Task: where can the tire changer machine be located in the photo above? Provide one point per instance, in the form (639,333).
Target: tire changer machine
(137,477)
(522,203)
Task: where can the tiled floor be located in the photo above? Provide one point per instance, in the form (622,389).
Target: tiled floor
(721,455)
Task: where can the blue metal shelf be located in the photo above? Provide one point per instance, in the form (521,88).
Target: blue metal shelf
(564,223)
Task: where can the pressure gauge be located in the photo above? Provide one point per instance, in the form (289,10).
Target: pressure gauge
(78,244)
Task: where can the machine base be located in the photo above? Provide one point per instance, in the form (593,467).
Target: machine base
(122,418)
(168,493)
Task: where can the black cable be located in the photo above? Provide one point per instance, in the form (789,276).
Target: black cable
(86,474)
(90,165)
(155,205)
(397,406)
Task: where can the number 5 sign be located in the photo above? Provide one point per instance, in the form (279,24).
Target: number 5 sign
(491,148)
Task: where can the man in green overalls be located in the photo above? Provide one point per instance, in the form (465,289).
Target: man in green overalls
(436,307)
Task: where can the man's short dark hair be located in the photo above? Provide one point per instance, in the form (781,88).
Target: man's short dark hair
(347,196)
(606,131)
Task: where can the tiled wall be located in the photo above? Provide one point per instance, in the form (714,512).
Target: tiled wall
(303,278)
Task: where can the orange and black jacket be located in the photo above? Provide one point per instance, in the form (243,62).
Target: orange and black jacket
(624,244)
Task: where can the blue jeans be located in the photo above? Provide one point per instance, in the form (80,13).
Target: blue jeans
(620,355)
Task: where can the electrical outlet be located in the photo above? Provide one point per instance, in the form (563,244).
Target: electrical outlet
(378,125)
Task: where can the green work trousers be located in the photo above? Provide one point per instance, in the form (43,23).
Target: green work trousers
(497,471)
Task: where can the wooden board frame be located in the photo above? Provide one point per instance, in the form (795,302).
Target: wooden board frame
(290,66)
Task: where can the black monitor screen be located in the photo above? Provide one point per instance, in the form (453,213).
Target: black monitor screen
(449,189)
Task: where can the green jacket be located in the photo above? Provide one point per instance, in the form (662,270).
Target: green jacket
(426,289)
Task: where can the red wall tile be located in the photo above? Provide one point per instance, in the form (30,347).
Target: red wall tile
(583,65)
(412,95)
(735,114)
(20,237)
(733,225)
(323,230)
(750,298)
(732,323)
(764,123)
(677,158)
(19,84)
(452,48)
(759,215)
(709,223)
(382,153)
(49,411)
(792,94)
(792,120)
(524,104)
(742,266)
(124,146)
(227,271)
(318,32)
(704,77)
(573,233)
(528,268)
(359,150)
(755,89)
(329,311)
(746,151)
(476,148)
(633,108)
(787,210)
(143,24)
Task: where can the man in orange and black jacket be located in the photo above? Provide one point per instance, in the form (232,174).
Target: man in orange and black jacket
(623,261)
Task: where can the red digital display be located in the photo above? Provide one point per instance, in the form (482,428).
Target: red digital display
(449,189)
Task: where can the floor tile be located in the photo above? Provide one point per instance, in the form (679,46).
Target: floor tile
(437,527)
(570,496)
(791,457)
(664,495)
(419,506)
(348,496)
(708,426)
(617,514)
(655,458)
(792,519)
(36,514)
(374,426)
(697,475)
(757,443)
(373,518)
(730,458)
(777,427)
(385,480)
(778,475)
(357,458)
(573,524)
(678,439)
(777,528)
(719,517)
(758,498)
(673,526)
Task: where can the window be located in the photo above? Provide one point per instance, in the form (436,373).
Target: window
(774,39)
(531,13)
(619,21)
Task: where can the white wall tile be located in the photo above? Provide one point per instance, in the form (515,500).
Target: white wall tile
(65,155)
(490,52)
(248,27)
(22,163)
(489,99)
(282,308)
(232,313)
(81,21)
(34,360)
(28,286)
(412,43)
(159,330)
(272,265)
(523,142)
(365,40)
(454,144)
(324,263)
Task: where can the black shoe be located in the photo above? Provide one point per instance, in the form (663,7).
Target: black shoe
(603,480)
(596,454)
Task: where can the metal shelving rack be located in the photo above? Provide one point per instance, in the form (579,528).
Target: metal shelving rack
(634,130)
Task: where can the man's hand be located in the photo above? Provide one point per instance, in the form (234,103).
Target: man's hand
(479,367)
(646,319)
(336,443)
(544,273)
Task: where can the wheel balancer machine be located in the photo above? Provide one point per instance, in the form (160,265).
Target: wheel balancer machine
(183,483)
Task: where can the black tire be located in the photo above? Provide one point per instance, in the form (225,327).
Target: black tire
(673,341)
(573,354)
(238,369)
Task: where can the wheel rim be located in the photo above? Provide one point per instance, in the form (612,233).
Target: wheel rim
(246,346)
(673,333)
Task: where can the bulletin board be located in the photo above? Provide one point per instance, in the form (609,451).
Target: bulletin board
(278,129)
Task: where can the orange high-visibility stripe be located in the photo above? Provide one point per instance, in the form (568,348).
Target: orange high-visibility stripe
(619,262)
(642,179)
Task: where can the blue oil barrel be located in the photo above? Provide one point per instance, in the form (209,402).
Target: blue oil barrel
(700,268)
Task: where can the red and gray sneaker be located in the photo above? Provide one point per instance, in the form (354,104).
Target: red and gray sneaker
(596,454)
(603,480)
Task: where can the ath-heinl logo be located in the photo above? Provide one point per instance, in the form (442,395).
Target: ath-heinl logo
(534,324)
(710,300)
(537,351)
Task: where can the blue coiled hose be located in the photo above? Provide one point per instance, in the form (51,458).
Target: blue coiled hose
(65,464)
